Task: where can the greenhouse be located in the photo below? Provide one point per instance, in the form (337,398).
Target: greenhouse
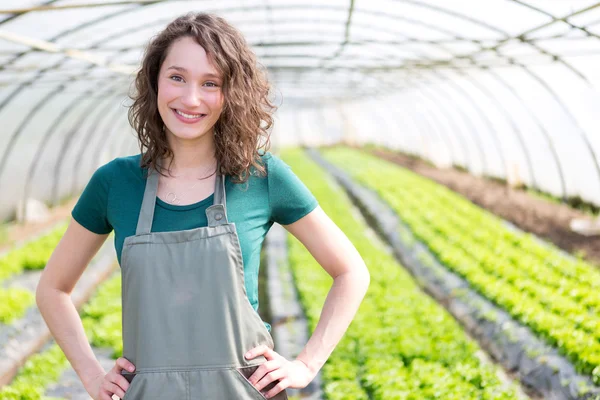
(404,200)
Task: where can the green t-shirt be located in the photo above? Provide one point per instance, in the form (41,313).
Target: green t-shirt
(112,199)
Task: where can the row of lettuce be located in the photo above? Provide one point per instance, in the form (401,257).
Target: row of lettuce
(101,317)
(554,294)
(401,345)
(102,322)
(15,301)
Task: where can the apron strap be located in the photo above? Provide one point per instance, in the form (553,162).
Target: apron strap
(217,213)
(144,224)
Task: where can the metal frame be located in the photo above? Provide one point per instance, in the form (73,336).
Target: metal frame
(425,68)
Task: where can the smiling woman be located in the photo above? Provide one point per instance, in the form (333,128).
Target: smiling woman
(190,215)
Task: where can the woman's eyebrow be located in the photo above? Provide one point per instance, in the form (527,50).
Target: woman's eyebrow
(181,69)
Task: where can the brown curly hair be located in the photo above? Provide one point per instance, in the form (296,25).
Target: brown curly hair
(247,111)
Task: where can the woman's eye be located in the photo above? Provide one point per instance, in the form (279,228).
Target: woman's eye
(178,77)
(211,84)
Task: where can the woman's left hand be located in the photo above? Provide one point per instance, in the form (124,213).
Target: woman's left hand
(291,374)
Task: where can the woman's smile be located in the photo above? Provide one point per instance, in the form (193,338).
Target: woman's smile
(188,118)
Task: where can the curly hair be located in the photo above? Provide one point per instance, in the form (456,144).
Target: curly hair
(247,111)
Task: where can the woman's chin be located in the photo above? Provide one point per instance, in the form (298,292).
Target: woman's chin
(187,134)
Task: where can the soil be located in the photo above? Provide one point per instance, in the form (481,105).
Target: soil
(19,232)
(545,219)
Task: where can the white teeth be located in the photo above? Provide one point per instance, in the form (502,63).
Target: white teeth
(188,115)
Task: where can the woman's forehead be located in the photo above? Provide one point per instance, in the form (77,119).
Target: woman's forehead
(185,55)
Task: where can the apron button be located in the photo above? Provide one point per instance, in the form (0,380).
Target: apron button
(219,216)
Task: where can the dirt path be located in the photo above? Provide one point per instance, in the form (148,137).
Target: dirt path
(19,232)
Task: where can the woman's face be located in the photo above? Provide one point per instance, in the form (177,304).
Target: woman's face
(190,96)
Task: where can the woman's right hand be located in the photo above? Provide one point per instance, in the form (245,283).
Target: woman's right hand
(104,386)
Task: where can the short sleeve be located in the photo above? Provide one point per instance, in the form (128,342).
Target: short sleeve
(289,198)
(91,208)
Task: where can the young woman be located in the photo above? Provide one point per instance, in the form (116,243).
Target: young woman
(190,214)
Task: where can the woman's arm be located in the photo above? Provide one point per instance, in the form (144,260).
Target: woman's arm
(337,255)
(64,268)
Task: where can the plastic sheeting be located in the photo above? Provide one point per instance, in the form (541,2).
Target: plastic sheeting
(505,88)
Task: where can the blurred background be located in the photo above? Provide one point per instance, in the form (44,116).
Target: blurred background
(474,125)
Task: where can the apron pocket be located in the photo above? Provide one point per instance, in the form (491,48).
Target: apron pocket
(158,385)
(226,384)
(246,372)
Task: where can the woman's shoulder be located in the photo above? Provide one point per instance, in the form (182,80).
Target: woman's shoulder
(120,166)
(272,162)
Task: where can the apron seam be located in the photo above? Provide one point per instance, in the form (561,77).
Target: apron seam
(187,386)
(178,241)
(191,368)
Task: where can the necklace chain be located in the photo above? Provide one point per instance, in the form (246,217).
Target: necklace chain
(173,198)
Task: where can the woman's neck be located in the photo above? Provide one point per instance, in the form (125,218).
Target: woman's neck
(191,157)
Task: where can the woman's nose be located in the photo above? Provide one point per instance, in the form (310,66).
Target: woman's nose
(192,96)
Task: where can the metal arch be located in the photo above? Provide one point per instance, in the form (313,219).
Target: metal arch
(15,16)
(461,139)
(269,13)
(65,145)
(113,148)
(417,123)
(484,118)
(381,14)
(473,130)
(513,126)
(58,64)
(42,147)
(52,129)
(519,135)
(383,114)
(87,144)
(506,114)
(542,129)
(509,119)
(408,117)
(17,133)
(320,112)
(36,108)
(119,127)
(298,126)
(346,36)
(451,33)
(580,130)
(476,136)
(49,133)
(97,120)
(237,9)
(375,111)
(562,19)
(498,30)
(401,123)
(440,108)
(46,7)
(440,126)
(77,28)
(436,126)
(419,22)
(109,142)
